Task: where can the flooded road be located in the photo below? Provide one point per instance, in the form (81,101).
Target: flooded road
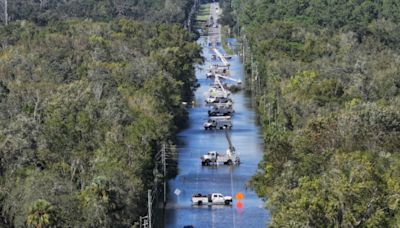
(194,178)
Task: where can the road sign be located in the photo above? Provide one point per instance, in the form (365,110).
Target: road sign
(177,192)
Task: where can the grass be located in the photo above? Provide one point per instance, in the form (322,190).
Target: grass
(202,16)
(203,13)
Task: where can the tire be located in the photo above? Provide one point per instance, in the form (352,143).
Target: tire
(221,128)
(203,163)
(199,202)
(229,162)
(227,202)
(206,128)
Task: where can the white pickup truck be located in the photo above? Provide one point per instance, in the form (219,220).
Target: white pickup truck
(211,199)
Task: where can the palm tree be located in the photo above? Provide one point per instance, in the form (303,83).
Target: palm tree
(41,214)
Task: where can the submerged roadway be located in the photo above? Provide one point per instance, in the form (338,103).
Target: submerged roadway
(194,178)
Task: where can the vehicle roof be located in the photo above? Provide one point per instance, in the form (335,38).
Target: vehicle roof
(220,117)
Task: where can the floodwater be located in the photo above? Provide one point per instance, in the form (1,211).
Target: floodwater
(194,178)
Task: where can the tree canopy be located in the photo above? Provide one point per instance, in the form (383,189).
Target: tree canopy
(45,11)
(326,78)
(84,108)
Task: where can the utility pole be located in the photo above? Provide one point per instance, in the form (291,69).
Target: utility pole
(258,87)
(252,77)
(6,12)
(165,171)
(243,47)
(149,205)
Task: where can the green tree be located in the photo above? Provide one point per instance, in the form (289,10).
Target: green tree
(41,214)
(328,102)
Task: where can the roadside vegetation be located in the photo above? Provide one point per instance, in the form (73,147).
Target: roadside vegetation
(202,17)
(46,11)
(328,98)
(84,107)
(225,33)
(203,13)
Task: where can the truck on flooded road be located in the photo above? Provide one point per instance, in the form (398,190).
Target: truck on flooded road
(218,122)
(229,158)
(211,199)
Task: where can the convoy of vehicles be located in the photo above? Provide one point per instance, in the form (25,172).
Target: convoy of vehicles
(220,114)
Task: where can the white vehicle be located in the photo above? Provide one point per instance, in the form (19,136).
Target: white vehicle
(217,95)
(218,101)
(217,91)
(217,69)
(221,110)
(211,199)
(215,158)
(218,122)
(217,98)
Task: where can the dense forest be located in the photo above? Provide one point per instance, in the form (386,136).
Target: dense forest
(44,11)
(326,79)
(85,105)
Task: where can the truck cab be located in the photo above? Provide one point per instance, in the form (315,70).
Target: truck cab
(217,198)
